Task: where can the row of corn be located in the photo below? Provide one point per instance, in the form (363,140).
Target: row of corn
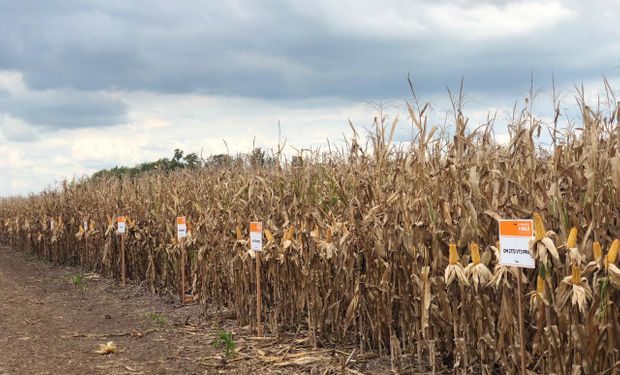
(390,247)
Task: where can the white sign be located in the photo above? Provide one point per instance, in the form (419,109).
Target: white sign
(86,225)
(51,224)
(514,243)
(256,236)
(120,225)
(181,227)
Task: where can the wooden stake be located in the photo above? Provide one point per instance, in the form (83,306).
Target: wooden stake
(85,251)
(182,288)
(259,324)
(521,329)
(84,256)
(123,259)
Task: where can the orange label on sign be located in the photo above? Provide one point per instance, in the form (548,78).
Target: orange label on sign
(515,228)
(180,220)
(120,219)
(256,227)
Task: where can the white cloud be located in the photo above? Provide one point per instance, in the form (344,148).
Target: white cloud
(12,82)
(10,157)
(491,22)
(385,19)
(468,20)
(120,146)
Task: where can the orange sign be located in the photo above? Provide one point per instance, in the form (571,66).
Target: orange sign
(515,228)
(120,219)
(181,220)
(256,227)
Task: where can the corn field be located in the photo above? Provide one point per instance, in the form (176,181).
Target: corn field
(388,246)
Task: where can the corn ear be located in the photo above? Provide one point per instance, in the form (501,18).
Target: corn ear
(539,227)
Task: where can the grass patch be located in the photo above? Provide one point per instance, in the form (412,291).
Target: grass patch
(158,318)
(78,280)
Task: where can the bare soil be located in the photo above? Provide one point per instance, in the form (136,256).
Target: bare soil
(50,325)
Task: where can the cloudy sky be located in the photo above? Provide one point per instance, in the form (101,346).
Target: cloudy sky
(86,85)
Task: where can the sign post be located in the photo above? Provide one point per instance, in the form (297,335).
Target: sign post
(45,248)
(181,234)
(121,226)
(256,244)
(84,253)
(514,240)
(52,251)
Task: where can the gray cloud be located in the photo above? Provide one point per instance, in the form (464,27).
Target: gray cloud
(278,50)
(62,109)
(17,133)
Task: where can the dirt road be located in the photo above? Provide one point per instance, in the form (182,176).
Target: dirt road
(52,321)
(50,325)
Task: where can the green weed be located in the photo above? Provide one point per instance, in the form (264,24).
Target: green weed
(226,340)
(78,280)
